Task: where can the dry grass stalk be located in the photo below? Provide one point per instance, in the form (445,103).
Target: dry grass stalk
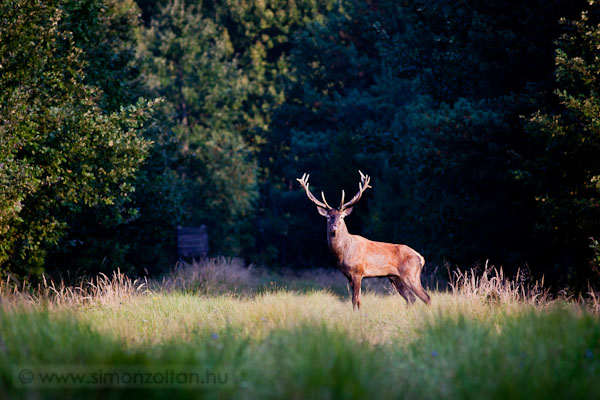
(495,287)
(208,275)
(100,289)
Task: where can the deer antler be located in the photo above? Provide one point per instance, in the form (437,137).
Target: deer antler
(304,182)
(362,186)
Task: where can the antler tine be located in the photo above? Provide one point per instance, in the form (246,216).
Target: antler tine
(364,178)
(325,201)
(362,186)
(304,183)
(342,201)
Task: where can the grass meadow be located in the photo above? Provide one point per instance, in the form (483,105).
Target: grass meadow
(217,329)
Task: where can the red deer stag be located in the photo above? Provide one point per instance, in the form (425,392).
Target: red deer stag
(360,258)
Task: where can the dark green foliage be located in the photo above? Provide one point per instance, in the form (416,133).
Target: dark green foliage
(188,60)
(427,97)
(595,261)
(563,170)
(457,167)
(62,155)
(261,34)
(482,67)
(105,31)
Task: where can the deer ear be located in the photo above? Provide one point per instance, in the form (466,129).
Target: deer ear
(322,211)
(347,211)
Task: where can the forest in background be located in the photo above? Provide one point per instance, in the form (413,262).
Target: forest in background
(479,123)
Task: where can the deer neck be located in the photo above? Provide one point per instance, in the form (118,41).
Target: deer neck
(339,241)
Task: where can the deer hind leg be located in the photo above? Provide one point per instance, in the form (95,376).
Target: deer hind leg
(402,290)
(417,289)
(356,281)
(412,281)
(414,284)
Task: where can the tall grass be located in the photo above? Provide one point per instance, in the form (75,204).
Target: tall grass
(221,275)
(491,284)
(101,289)
(494,286)
(211,276)
(296,336)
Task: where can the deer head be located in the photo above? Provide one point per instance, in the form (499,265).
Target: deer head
(335,216)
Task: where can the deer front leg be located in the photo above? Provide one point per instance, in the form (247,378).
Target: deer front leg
(356,281)
(349,286)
